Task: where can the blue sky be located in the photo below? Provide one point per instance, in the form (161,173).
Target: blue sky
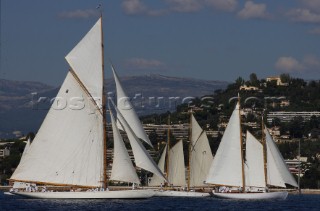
(204,39)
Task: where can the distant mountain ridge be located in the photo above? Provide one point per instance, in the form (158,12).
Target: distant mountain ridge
(18,88)
(19,114)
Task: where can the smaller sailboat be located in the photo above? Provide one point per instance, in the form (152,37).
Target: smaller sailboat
(264,166)
(200,158)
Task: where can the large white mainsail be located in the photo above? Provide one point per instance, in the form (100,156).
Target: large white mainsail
(156,180)
(122,167)
(226,168)
(73,127)
(176,170)
(254,165)
(141,156)
(75,133)
(277,166)
(125,107)
(201,155)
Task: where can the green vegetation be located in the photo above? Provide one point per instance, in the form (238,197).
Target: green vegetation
(9,163)
(303,96)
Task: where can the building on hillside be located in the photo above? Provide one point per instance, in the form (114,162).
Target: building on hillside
(274,131)
(277,79)
(179,131)
(284,103)
(4,152)
(287,116)
(254,125)
(293,165)
(249,88)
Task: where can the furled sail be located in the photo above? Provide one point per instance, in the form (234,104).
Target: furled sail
(86,61)
(122,167)
(176,170)
(141,156)
(201,155)
(276,163)
(254,166)
(72,129)
(155,180)
(226,168)
(125,107)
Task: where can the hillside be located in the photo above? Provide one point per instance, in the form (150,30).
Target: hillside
(18,113)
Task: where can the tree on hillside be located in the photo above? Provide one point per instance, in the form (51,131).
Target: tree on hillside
(254,79)
(240,81)
(285,78)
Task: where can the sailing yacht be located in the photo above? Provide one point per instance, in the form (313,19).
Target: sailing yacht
(248,178)
(70,146)
(200,159)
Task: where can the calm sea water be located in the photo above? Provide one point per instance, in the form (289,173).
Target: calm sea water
(293,202)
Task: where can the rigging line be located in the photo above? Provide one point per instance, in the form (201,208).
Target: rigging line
(85,90)
(194,145)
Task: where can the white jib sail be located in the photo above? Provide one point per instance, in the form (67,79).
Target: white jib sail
(125,107)
(177,175)
(279,162)
(201,155)
(273,175)
(254,165)
(226,168)
(68,148)
(86,61)
(141,156)
(122,167)
(155,180)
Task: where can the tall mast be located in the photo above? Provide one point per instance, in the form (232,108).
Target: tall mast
(168,149)
(241,148)
(105,179)
(264,148)
(189,147)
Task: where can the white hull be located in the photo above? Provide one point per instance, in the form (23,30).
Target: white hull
(121,194)
(169,193)
(254,196)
